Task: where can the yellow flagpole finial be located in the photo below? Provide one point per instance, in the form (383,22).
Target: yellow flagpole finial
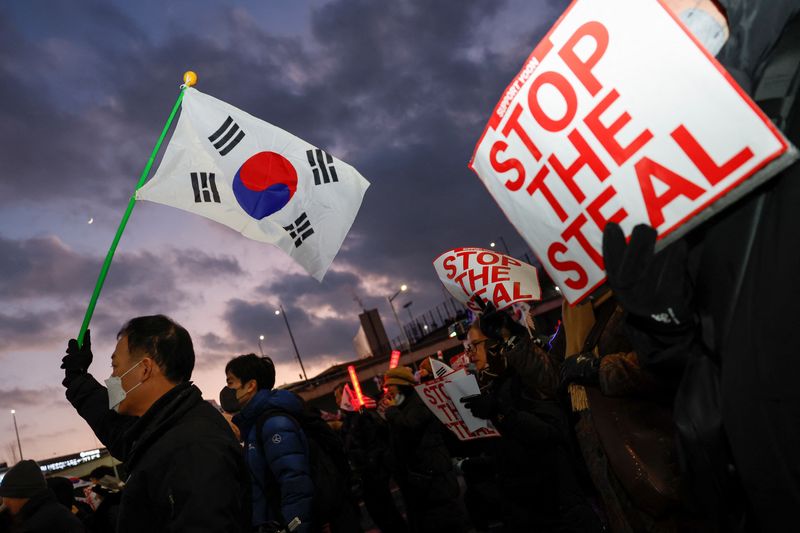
(189,78)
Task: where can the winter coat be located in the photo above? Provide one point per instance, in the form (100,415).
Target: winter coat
(423,467)
(43,514)
(186,469)
(750,337)
(536,472)
(282,487)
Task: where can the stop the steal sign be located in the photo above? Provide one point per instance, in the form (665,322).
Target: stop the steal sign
(619,115)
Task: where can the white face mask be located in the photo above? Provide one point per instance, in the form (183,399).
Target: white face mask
(115,391)
(705,28)
(399,398)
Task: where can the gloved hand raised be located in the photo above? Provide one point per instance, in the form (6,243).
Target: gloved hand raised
(78,359)
(493,321)
(653,288)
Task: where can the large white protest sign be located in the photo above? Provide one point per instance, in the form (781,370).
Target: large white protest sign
(437,399)
(501,279)
(620,115)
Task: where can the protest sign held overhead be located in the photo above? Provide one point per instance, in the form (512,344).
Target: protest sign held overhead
(499,278)
(260,180)
(619,115)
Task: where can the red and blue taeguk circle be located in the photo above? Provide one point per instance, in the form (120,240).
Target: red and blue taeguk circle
(264,184)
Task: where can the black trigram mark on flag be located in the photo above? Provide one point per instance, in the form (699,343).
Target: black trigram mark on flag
(205,188)
(322,165)
(227,136)
(300,230)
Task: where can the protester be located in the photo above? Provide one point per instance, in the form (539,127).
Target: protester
(423,467)
(186,470)
(279,455)
(34,507)
(367,442)
(713,313)
(538,478)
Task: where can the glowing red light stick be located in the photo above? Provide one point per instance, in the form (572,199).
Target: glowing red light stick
(395,359)
(356,385)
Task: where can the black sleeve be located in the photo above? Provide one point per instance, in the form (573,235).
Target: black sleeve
(204,490)
(90,399)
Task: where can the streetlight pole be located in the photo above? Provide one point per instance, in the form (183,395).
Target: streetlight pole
(390,299)
(296,351)
(16,429)
(260,338)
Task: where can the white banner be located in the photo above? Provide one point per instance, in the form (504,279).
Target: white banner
(437,398)
(499,278)
(619,115)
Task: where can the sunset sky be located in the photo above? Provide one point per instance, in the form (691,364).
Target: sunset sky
(399,89)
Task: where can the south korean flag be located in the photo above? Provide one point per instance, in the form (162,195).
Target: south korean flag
(258,179)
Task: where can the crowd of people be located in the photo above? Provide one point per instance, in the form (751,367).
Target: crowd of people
(665,402)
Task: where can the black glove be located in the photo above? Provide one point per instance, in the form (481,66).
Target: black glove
(481,405)
(582,369)
(493,322)
(78,359)
(653,288)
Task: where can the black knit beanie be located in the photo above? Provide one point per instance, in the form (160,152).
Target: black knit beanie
(23,481)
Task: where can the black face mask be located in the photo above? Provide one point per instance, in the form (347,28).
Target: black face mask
(228,400)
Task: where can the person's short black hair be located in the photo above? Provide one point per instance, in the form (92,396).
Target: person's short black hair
(250,366)
(163,339)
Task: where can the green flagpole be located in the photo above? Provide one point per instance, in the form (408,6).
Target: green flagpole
(189,78)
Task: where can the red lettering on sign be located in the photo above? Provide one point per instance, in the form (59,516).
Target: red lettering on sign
(574,231)
(464,255)
(586,156)
(538,184)
(581,69)
(460,429)
(493,258)
(518,294)
(606,135)
(593,209)
(447,412)
(428,392)
(460,280)
(500,296)
(449,266)
(478,277)
(678,186)
(567,92)
(498,272)
(558,248)
(514,125)
(712,172)
(509,164)
(508,260)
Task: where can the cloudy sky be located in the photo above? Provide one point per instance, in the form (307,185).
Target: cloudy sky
(400,89)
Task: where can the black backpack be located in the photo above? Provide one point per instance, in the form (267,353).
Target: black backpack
(330,471)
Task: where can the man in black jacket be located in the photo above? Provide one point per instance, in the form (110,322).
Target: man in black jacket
(187,472)
(33,506)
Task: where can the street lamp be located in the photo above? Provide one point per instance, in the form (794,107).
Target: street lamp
(16,429)
(280,311)
(505,246)
(390,299)
(260,338)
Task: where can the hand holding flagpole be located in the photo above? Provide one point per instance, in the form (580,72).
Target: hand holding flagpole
(189,79)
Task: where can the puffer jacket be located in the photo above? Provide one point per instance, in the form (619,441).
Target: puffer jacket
(282,487)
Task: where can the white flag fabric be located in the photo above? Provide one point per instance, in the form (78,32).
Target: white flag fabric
(258,179)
